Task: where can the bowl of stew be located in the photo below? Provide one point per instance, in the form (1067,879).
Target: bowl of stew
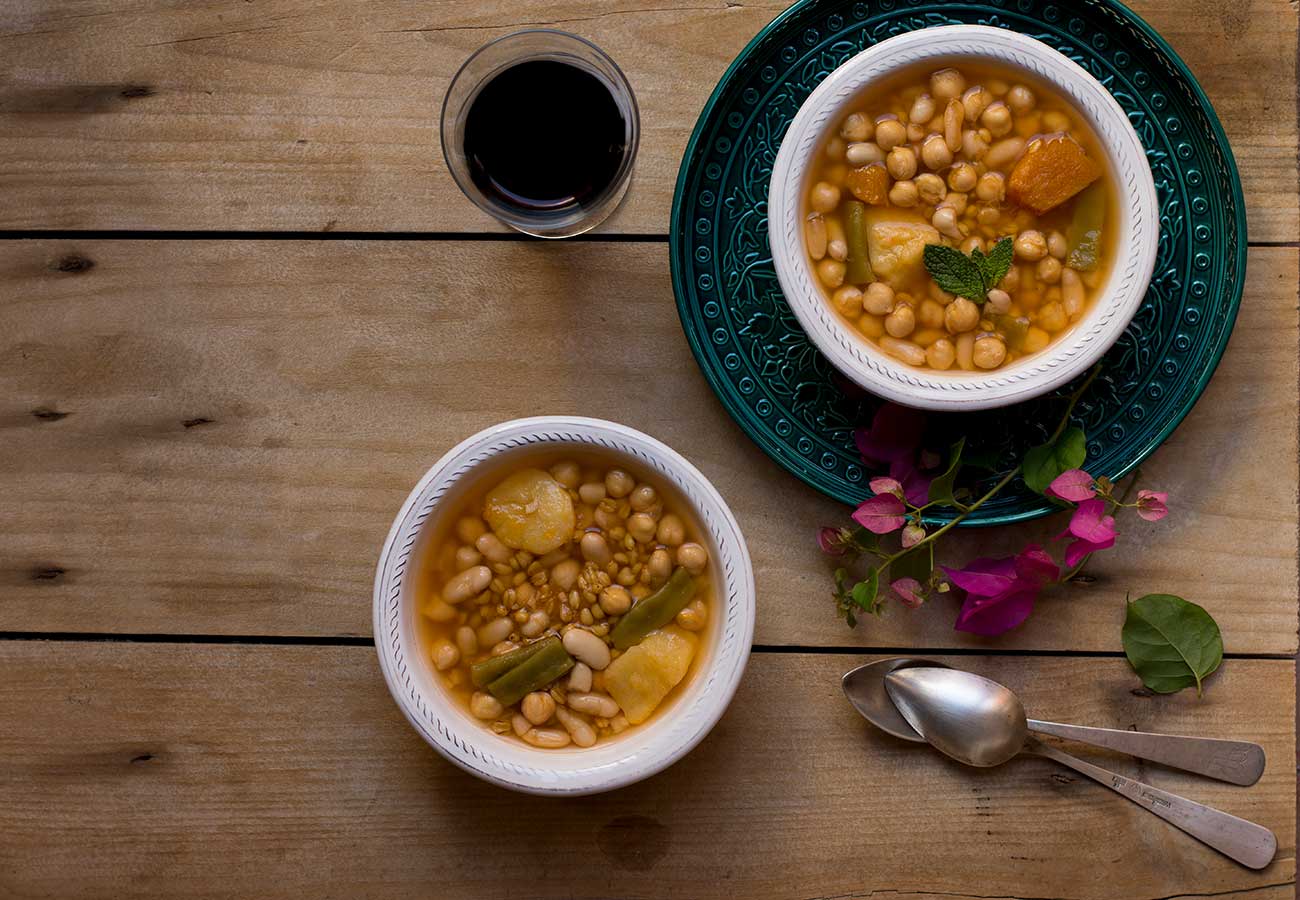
(954,161)
(563,605)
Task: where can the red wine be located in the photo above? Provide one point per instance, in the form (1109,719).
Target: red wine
(544,136)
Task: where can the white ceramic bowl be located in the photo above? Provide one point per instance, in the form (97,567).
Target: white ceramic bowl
(636,754)
(1065,358)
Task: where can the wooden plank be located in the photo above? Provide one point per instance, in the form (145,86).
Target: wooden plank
(291,115)
(210,437)
(203,771)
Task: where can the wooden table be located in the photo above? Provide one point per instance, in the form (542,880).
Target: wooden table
(206,426)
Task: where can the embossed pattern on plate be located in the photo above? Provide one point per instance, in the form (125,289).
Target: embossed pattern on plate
(781,390)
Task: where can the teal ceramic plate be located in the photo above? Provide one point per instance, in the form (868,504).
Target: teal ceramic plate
(786,396)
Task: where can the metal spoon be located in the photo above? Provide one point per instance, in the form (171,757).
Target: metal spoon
(1237,762)
(981,723)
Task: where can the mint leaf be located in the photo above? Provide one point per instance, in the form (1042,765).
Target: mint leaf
(954,271)
(994,266)
(1171,643)
(1046,461)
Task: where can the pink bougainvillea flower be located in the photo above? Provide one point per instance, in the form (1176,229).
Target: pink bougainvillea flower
(1075,486)
(916,486)
(1081,549)
(909,591)
(895,433)
(881,514)
(1152,505)
(884,485)
(1000,593)
(834,541)
(1090,522)
(912,535)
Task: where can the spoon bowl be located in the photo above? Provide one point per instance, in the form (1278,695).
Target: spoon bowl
(970,718)
(865,688)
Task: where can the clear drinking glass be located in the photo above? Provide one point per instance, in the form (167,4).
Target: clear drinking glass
(488,62)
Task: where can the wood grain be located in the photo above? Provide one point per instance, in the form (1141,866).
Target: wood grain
(203,771)
(213,437)
(322,114)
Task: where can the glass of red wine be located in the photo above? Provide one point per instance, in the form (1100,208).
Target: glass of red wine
(539,129)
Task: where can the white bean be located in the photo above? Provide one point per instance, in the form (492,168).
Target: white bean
(490,546)
(536,624)
(594,492)
(953,118)
(547,738)
(495,632)
(445,655)
(580,678)
(565,574)
(586,647)
(468,583)
(538,707)
(467,641)
(1004,153)
(864,154)
(904,351)
(485,706)
(594,549)
(583,734)
(600,705)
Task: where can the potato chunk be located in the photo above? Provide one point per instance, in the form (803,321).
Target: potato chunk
(1052,171)
(530,511)
(896,245)
(645,673)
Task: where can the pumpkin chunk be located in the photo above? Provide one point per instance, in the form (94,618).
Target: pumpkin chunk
(1052,171)
(870,184)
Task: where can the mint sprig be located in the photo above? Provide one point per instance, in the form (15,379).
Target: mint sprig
(970,276)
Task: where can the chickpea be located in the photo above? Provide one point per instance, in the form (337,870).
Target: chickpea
(922,110)
(872,326)
(945,220)
(660,565)
(671,531)
(1049,270)
(901,162)
(961,315)
(974,242)
(847,302)
(1055,121)
(930,188)
(467,558)
(835,148)
(837,250)
(996,118)
(643,497)
(1030,245)
(930,314)
(947,83)
(594,549)
(962,177)
(692,557)
(564,574)
(694,617)
(594,492)
(831,272)
(642,527)
(856,127)
(975,100)
(904,194)
(966,351)
(485,706)
(615,600)
(935,153)
(915,133)
(1051,317)
(1036,339)
(903,351)
(1056,244)
(1020,99)
(954,115)
(445,655)
(974,144)
(957,200)
(878,300)
(941,354)
(864,154)
(991,187)
(989,352)
(469,529)
(824,197)
(901,322)
(999,301)
(890,133)
(538,707)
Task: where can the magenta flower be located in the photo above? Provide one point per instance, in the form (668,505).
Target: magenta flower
(909,591)
(883,485)
(881,514)
(1091,529)
(834,541)
(915,485)
(1075,486)
(1152,505)
(912,535)
(895,433)
(1000,593)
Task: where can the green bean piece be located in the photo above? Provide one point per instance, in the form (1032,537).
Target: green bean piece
(855,235)
(533,674)
(655,611)
(1084,237)
(1014,329)
(489,670)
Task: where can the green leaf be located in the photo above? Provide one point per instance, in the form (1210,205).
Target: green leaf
(916,563)
(954,271)
(864,592)
(1044,462)
(994,266)
(941,489)
(1171,643)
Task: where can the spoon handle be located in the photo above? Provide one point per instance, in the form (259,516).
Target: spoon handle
(1249,844)
(1237,762)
